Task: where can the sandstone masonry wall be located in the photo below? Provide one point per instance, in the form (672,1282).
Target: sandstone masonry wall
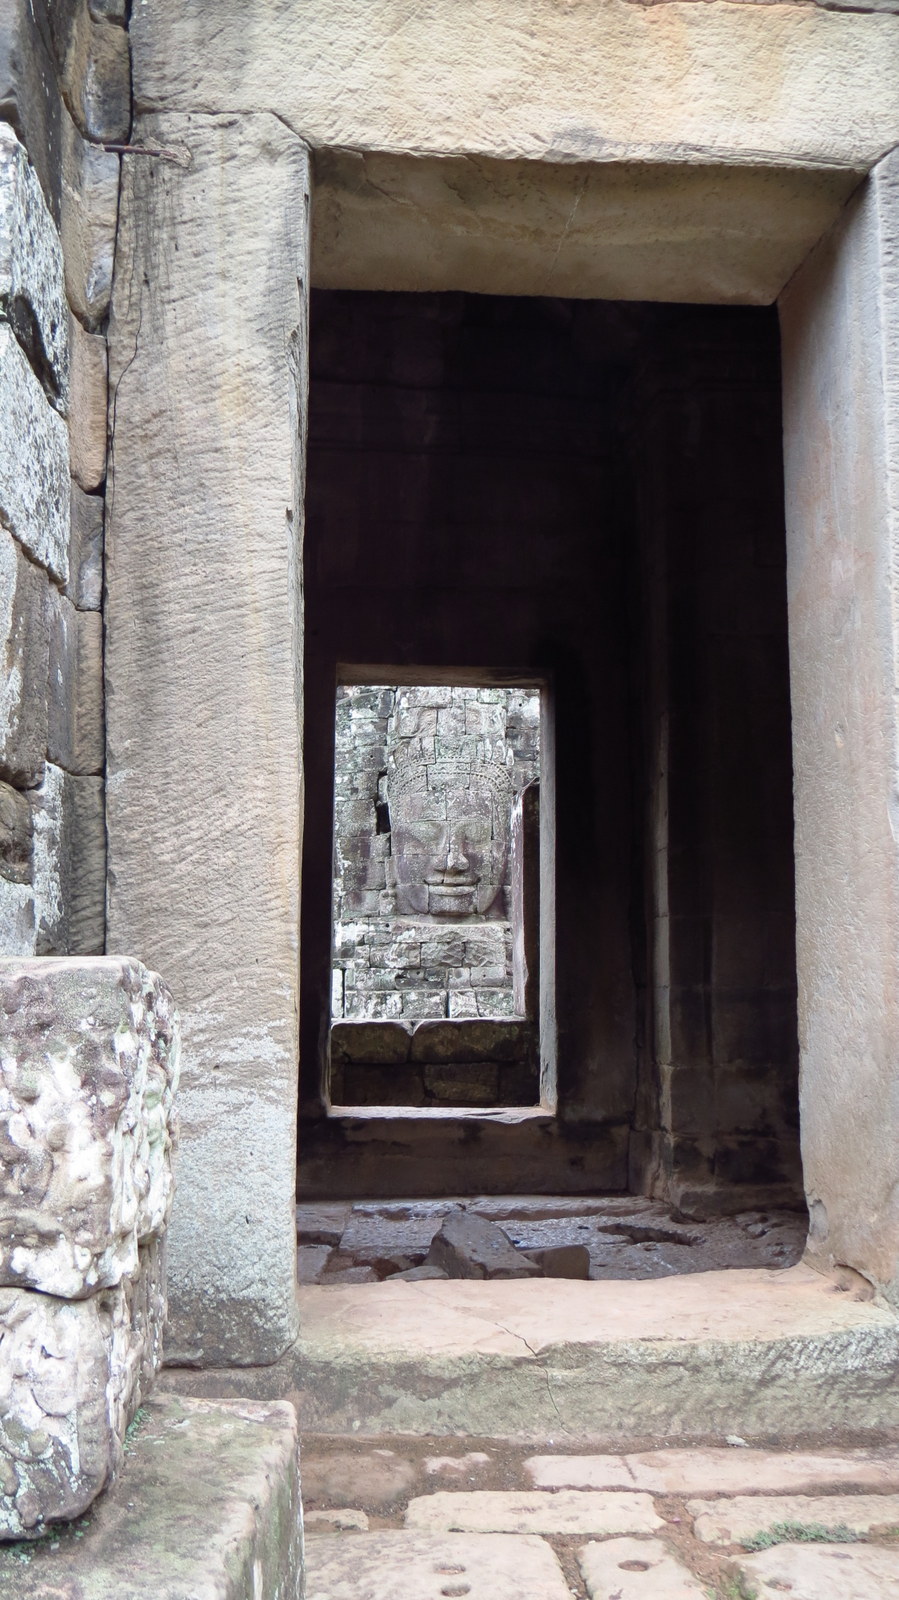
(64,108)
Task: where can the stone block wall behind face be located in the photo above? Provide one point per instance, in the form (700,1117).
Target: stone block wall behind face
(390,965)
(64,97)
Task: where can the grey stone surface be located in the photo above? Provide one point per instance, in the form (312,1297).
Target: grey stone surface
(513,1511)
(32,293)
(87,407)
(823,1572)
(96,75)
(29,95)
(17,922)
(417,1566)
(85,583)
(466,1246)
(16,835)
(24,644)
(89,209)
(637,1569)
(387,1042)
(207,1505)
(87,1081)
(75,733)
(34,462)
(69,865)
(204,802)
(71,1378)
(471,1040)
(840,323)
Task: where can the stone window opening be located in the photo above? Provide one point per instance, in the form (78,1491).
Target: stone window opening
(435,895)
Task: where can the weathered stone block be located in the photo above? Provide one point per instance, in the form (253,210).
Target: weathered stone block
(96,75)
(207,1504)
(89,211)
(16,835)
(385,1042)
(17,918)
(462,1084)
(471,1041)
(75,734)
(87,408)
(88,1070)
(34,462)
(85,585)
(69,865)
(72,1375)
(23,664)
(32,296)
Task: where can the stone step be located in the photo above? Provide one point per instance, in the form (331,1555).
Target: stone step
(206,1505)
(755,1354)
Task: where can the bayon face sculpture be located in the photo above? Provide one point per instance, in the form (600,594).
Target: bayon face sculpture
(450,834)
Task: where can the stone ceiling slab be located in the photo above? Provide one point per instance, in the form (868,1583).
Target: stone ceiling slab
(613,231)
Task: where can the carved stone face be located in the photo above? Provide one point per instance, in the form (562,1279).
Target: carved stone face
(450,844)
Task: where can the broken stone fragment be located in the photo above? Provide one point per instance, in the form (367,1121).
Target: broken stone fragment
(470,1247)
(563,1261)
(88,1070)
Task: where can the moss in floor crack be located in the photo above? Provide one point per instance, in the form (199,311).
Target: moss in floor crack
(800,1533)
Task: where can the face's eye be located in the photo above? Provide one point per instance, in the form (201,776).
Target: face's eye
(415,837)
(474,831)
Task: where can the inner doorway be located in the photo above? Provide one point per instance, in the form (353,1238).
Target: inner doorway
(587,494)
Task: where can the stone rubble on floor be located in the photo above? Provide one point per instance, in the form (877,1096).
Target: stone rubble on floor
(379,1528)
(614,1236)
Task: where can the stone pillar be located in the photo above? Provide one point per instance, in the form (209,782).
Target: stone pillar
(204,654)
(88,1073)
(840,319)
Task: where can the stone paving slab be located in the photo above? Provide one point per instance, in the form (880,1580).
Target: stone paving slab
(721,1471)
(416,1566)
(734,1521)
(512,1511)
(636,1569)
(823,1572)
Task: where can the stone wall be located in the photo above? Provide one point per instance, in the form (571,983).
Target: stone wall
(64,98)
(391,961)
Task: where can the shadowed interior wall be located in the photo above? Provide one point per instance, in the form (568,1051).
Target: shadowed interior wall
(478,498)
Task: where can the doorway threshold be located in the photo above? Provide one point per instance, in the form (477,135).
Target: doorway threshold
(756,1354)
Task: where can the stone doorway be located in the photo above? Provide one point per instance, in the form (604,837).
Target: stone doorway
(589,494)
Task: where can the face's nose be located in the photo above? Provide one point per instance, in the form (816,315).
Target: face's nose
(456,859)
